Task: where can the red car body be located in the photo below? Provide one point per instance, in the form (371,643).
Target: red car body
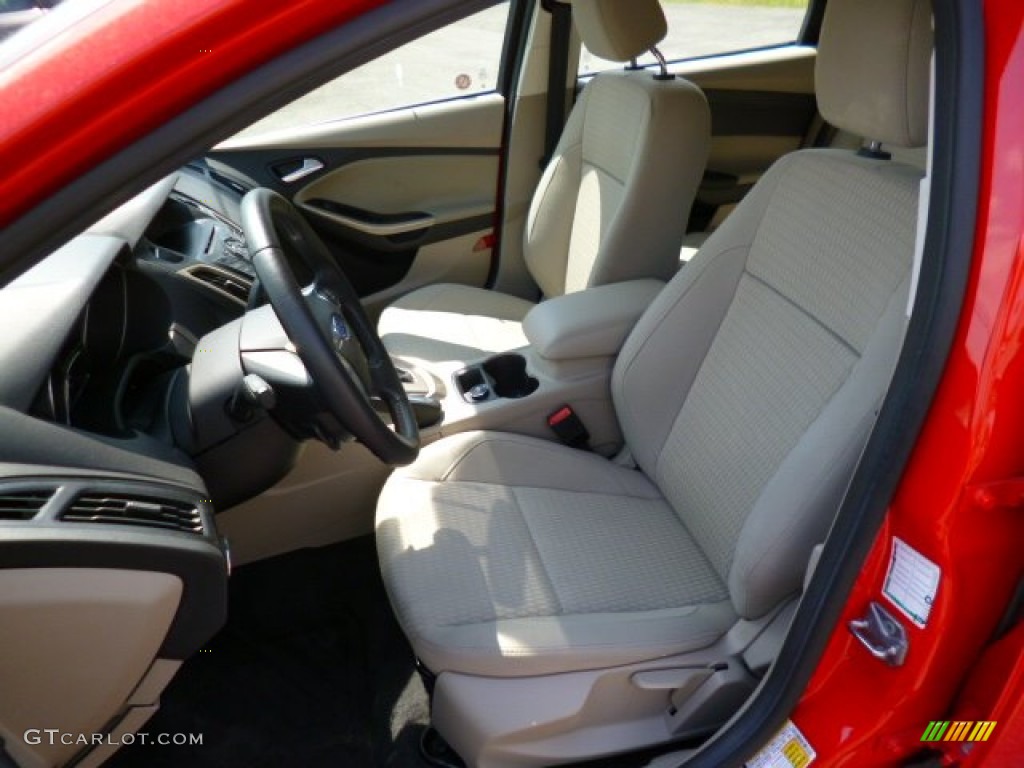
(127,68)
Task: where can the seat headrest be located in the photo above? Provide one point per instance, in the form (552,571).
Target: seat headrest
(872,74)
(618,30)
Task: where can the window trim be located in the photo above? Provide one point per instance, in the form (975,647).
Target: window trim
(811,30)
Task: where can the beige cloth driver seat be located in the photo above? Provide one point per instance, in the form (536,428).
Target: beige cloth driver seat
(612,204)
(570,606)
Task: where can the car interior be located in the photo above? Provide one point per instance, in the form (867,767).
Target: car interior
(611,207)
(496,431)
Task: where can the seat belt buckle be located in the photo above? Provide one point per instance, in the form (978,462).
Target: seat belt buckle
(569,429)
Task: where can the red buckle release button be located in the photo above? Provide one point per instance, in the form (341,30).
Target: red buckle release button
(559,416)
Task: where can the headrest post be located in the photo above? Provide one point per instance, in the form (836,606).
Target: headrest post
(662,65)
(874,151)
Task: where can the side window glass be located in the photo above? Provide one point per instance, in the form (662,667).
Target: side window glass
(459,60)
(699,28)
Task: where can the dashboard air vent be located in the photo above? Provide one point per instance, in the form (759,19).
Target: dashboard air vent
(22,505)
(235,285)
(116,509)
(232,184)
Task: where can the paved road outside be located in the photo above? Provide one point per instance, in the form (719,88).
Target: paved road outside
(428,69)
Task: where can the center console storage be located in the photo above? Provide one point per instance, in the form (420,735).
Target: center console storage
(587,325)
(499,377)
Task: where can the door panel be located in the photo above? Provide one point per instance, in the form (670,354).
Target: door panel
(762,106)
(388,204)
(401,199)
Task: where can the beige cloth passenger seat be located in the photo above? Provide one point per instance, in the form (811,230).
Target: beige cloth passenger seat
(541,584)
(612,204)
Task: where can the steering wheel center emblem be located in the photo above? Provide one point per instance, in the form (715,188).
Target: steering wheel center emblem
(340,332)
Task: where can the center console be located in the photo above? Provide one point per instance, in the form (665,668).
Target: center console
(574,341)
(496,378)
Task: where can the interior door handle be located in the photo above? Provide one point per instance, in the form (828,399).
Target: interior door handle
(309,166)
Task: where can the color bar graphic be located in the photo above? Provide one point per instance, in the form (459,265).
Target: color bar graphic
(958,730)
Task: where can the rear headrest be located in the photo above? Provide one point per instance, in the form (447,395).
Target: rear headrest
(619,30)
(872,76)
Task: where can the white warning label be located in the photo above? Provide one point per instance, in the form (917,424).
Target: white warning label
(912,582)
(789,749)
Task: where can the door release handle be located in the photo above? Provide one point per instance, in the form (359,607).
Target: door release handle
(309,166)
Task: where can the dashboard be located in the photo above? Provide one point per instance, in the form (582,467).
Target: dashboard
(98,344)
(105,323)
(124,352)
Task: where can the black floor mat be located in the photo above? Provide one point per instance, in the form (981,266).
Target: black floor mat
(311,670)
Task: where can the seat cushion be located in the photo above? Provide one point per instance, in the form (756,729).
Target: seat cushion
(449,322)
(511,556)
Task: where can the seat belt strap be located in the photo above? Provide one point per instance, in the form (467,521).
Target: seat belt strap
(558,72)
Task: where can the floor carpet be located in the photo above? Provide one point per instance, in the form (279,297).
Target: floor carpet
(311,670)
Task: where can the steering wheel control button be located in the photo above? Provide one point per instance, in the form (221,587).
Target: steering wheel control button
(341,334)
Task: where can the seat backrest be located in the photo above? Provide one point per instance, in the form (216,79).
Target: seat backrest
(748,389)
(613,202)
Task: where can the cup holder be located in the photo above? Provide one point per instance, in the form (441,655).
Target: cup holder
(503,376)
(508,372)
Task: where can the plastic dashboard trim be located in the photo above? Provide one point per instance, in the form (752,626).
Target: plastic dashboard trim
(46,541)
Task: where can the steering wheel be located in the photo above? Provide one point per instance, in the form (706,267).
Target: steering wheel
(328,326)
